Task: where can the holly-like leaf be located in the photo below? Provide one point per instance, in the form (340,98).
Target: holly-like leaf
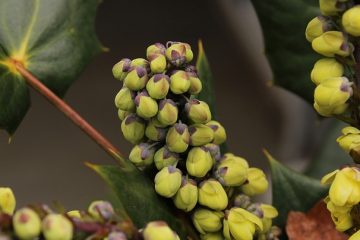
(139,199)
(290,55)
(53,39)
(292,191)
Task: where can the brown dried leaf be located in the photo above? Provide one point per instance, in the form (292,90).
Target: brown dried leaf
(314,225)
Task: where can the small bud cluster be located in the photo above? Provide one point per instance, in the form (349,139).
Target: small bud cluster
(174,131)
(100,221)
(335,35)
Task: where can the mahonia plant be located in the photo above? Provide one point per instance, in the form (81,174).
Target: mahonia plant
(174,132)
(100,221)
(335,35)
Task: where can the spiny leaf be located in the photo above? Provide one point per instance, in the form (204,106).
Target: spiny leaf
(290,55)
(141,202)
(292,191)
(53,39)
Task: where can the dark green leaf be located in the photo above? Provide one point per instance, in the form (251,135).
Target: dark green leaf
(292,191)
(53,39)
(330,156)
(290,55)
(141,202)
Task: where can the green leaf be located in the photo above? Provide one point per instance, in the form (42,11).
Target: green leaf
(289,54)
(330,156)
(138,197)
(53,39)
(292,191)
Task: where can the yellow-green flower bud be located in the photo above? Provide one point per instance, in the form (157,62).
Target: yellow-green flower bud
(199,161)
(187,196)
(141,62)
(142,155)
(136,78)
(179,53)
(156,48)
(326,68)
(350,139)
(200,134)
(155,133)
(158,231)
(74,214)
(164,158)
(179,82)
(332,43)
(168,112)
(168,181)
(146,107)
(122,114)
(355,236)
(331,96)
(198,111)
(214,150)
(212,236)
(238,160)
(316,27)
(27,224)
(240,224)
(231,172)
(121,68)
(133,128)
(157,63)
(177,138)
(57,227)
(212,195)
(158,86)
(331,7)
(7,201)
(124,100)
(219,132)
(256,182)
(345,186)
(195,83)
(351,21)
(116,235)
(101,210)
(206,221)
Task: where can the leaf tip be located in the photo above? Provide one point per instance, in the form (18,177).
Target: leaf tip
(104,49)
(91,166)
(269,157)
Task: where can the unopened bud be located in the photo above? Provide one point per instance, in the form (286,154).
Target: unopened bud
(7,201)
(177,138)
(101,210)
(142,155)
(200,134)
(195,83)
(214,150)
(219,132)
(231,173)
(212,236)
(121,68)
(158,86)
(168,181)
(158,231)
(156,48)
(326,68)
(206,221)
(331,7)
(351,21)
(199,161)
(146,107)
(179,53)
(57,227)
(198,111)
(133,128)
(212,195)
(136,78)
(124,100)
(332,43)
(168,112)
(27,224)
(187,196)
(141,62)
(179,82)
(122,114)
(164,158)
(256,182)
(157,63)
(316,27)
(155,133)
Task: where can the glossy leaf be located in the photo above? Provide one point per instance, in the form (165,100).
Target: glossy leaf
(53,39)
(292,191)
(289,54)
(138,197)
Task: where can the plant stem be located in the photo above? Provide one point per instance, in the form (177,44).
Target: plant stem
(70,113)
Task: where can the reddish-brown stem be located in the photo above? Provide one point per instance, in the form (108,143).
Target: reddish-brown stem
(70,113)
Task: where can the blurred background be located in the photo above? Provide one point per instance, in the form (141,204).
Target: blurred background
(45,161)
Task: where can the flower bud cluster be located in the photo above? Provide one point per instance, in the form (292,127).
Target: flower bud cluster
(99,221)
(333,35)
(174,131)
